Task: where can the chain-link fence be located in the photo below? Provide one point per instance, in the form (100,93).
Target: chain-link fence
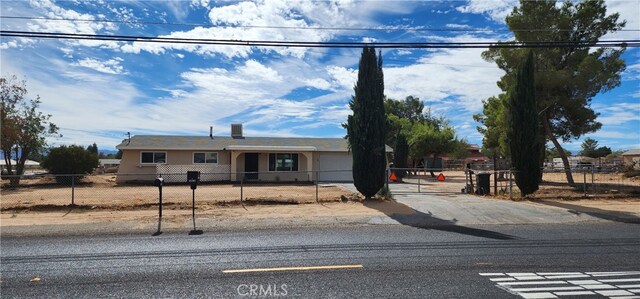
(588,181)
(122,191)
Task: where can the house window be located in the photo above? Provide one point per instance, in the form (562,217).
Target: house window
(205,158)
(153,157)
(283,162)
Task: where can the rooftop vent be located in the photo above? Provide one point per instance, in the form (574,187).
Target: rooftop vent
(236,130)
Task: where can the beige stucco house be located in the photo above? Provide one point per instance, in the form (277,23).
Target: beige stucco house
(632,158)
(235,158)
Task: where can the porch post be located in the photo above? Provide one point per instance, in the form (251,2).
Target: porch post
(234,162)
(310,164)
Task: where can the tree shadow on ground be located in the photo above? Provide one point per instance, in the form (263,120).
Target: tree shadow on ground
(408,216)
(616,216)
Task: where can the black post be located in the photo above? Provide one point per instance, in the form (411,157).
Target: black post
(73,189)
(193,207)
(193,214)
(159,231)
(159,182)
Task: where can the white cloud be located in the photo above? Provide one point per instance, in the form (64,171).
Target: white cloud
(342,78)
(458,26)
(619,113)
(242,21)
(440,75)
(496,10)
(111,66)
(318,83)
(629,11)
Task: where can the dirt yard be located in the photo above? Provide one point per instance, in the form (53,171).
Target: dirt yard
(607,186)
(175,217)
(102,192)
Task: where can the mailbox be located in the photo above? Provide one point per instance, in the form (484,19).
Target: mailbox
(193,178)
(158,182)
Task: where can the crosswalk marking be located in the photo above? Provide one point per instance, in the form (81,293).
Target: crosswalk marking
(574,293)
(618,284)
(531,282)
(620,280)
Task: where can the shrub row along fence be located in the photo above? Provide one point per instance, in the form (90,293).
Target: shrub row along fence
(123,191)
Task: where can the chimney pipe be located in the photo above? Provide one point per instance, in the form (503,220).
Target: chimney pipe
(211,132)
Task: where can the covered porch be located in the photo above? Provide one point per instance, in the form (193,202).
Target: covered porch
(272,163)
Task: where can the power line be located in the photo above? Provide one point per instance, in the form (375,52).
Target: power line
(299,44)
(394,28)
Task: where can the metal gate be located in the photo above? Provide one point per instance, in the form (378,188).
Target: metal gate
(426,180)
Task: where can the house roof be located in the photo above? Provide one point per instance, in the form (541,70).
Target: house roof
(632,152)
(159,142)
(109,161)
(26,163)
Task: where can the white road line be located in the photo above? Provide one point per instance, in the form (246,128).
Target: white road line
(332,267)
(558,273)
(619,280)
(535,277)
(614,273)
(491,274)
(567,276)
(503,279)
(574,293)
(521,274)
(614,293)
(626,297)
(530,283)
(597,286)
(537,295)
(626,286)
(581,282)
(637,291)
(546,289)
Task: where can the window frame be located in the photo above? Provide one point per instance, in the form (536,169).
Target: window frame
(154,157)
(193,158)
(294,162)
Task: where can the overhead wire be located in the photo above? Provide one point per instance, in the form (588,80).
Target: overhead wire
(313,44)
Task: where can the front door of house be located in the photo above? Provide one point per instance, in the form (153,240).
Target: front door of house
(251,166)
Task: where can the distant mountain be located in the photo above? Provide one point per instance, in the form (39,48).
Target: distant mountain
(107,152)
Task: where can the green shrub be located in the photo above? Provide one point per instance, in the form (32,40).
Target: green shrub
(69,160)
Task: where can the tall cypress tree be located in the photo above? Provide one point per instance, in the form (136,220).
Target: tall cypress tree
(400,155)
(366,127)
(523,134)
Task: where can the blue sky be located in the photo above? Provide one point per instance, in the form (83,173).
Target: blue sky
(99,90)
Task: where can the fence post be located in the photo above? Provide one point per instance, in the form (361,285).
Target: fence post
(418,184)
(316,179)
(73,190)
(510,185)
(593,183)
(386,176)
(584,182)
(242,188)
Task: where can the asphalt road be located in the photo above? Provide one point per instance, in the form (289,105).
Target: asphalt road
(382,261)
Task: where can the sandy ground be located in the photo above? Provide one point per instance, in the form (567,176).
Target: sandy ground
(176,216)
(101,191)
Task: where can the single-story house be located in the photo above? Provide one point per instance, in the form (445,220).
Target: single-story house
(235,158)
(632,157)
(28,164)
(574,162)
(109,163)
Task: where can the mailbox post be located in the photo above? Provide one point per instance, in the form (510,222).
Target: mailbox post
(158,183)
(193,178)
